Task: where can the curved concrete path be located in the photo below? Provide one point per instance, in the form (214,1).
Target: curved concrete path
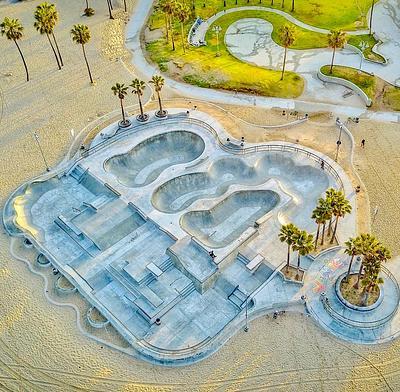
(201,31)
(146,70)
(250,40)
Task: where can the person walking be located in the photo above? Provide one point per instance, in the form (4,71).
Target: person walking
(363,143)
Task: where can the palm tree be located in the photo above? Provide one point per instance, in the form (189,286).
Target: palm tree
(44,24)
(370,17)
(287,35)
(319,217)
(330,198)
(138,87)
(51,11)
(169,9)
(287,234)
(325,210)
(164,7)
(336,40)
(182,12)
(353,248)
(121,91)
(341,207)
(303,244)
(81,35)
(158,82)
(13,29)
(88,11)
(369,245)
(109,9)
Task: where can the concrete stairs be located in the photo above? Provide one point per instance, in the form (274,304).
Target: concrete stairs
(166,264)
(188,290)
(78,172)
(238,297)
(243,259)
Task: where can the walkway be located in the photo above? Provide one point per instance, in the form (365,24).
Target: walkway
(147,70)
(200,34)
(250,40)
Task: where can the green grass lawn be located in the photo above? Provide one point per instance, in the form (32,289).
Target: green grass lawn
(201,67)
(366,82)
(339,14)
(356,41)
(384,96)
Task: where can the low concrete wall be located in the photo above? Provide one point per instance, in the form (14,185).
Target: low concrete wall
(345,83)
(373,50)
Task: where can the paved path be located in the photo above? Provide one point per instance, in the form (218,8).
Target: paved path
(146,70)
(250,40)
(201,31)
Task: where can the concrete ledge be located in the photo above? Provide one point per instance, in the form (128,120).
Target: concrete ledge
(346,83)
(357,50)
(349,304)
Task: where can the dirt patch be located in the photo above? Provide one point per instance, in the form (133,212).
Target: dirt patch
(357,296)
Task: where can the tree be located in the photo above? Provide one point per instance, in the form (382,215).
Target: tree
(52,14)
(110,9)
(138,87)
(169,9)
(158,82)
(88,11)
(353,248)
(330,198)
(121,91)
(369,245)
(319,216)
(44,23)
(287,234)
(372,268)
(325,210)
(336,40)
(371,15)
(182,12)
(303,244)
(287,35)
(81,35)
(13,30)
(340,208)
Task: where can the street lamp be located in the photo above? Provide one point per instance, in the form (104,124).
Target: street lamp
(217,29)
(36,136)
(362,45)
(246,327)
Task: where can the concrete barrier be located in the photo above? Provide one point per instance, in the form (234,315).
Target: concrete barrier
(345,83)
(373,50)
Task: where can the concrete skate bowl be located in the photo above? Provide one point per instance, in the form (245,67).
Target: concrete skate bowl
(146,161)
(226,221)
(22,202)
(295,174)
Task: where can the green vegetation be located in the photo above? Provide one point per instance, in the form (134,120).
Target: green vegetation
(373,253)
(365,81)
(344,14)
(358,40)
(202,67)
(384,95)
(13,30)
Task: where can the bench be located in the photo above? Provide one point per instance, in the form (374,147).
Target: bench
(154,269)
(254,263)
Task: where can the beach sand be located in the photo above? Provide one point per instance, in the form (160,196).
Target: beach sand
(41,348)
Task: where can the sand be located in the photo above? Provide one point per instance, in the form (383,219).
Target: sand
(41,348)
